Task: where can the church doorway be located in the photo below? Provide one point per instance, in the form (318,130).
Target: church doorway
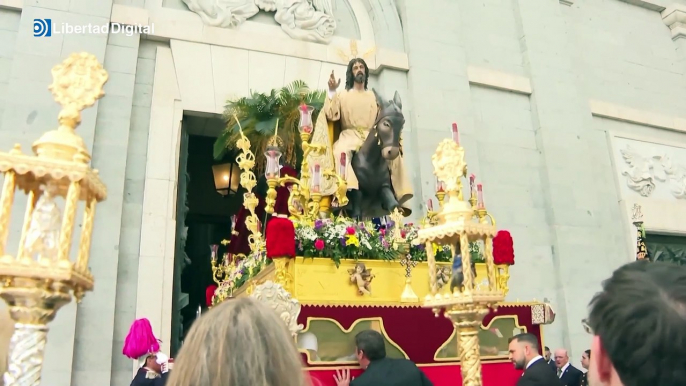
(207,197)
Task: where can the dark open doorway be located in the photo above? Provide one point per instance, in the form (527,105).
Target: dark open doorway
(203,218)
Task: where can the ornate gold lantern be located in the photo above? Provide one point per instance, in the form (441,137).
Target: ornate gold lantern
(42,276)
(457,224)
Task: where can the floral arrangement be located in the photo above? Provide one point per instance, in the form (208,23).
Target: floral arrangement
(503,248)
(244,270)
(345,239)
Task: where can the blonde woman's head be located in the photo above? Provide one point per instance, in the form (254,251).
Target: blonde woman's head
(240,342)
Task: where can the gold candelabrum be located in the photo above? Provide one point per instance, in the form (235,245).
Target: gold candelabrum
(305,197)
(43,277)
(457,224)
(246,162)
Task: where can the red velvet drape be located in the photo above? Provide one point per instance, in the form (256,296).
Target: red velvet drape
(416,330)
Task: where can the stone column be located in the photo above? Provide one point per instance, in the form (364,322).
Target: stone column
(580,193)
(674,17)
(80,342)
(439,86)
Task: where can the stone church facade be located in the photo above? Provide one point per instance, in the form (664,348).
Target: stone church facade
(570,111)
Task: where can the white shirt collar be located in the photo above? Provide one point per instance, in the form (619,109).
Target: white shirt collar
(534,359)
(562,370)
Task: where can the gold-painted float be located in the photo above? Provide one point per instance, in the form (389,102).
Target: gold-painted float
(327,299)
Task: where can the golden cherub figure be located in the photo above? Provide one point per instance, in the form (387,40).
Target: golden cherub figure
(362,278)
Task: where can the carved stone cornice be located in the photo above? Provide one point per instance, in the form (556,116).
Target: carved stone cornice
(674,17)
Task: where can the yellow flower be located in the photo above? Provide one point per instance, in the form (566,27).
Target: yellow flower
(352,240)
(435,248)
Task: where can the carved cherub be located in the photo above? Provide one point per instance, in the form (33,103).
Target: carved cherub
(442,276)
(362,277)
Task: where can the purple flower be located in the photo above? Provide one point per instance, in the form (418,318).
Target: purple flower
(342,240)
(420,247)
(318,224)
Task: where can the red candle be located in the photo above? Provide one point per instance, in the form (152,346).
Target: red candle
(480,196)
(316,178)
(430,205)
(341,171)
(472,188)
(456,134)
(439,185)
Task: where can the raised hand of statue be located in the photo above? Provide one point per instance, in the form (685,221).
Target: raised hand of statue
(333,83)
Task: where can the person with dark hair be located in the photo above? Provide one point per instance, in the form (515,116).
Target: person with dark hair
(354,112)
(379,370)
(637,322)
(585,357)
(524,354)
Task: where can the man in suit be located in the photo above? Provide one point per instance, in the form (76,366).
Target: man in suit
(637,327)
(524,354)
(379,370)
(549,358)
(568,374)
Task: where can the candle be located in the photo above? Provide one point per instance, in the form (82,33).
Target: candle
(472,187)
(272,169)
(316,178)
(215,248)
(480,196)
(306,118)
(456,134)
(341,171)
(439,185)
(430,205)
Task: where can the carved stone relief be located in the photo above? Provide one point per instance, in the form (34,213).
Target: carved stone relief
(308,20)
(276,297)
(643,172)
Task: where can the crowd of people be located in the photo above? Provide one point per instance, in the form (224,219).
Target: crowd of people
(636,324)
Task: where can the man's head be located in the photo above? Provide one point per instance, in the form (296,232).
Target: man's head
(523,348)
(585,357)
(370,346)
(357,72)
(561,358)
(547,353)
(151,363)
(637,323)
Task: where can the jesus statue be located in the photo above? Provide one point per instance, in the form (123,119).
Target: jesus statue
(355,111)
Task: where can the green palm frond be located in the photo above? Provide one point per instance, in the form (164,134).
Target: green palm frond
(258,115)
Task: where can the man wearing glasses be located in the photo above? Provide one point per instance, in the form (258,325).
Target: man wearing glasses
(638,323)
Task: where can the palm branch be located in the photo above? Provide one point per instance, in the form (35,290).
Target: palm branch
(258,115)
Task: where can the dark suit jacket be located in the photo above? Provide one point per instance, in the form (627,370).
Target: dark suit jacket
(539,374)
(392,372)
(141,380)
(571,376)
(552,365)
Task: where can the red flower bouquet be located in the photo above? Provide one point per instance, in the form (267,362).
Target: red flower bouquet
(503,248)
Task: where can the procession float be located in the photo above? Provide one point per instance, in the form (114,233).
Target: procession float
(435,290)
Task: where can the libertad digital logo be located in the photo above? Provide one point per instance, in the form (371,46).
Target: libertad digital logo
(42,27)
(46,28)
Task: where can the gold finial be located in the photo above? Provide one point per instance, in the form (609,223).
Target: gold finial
(77,83)
(354,52)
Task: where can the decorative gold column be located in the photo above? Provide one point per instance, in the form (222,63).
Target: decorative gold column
(458,224)
(42,277)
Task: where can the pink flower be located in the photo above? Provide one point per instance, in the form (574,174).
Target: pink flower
(403,234)
(350,230)
(319,244)
(382,231)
